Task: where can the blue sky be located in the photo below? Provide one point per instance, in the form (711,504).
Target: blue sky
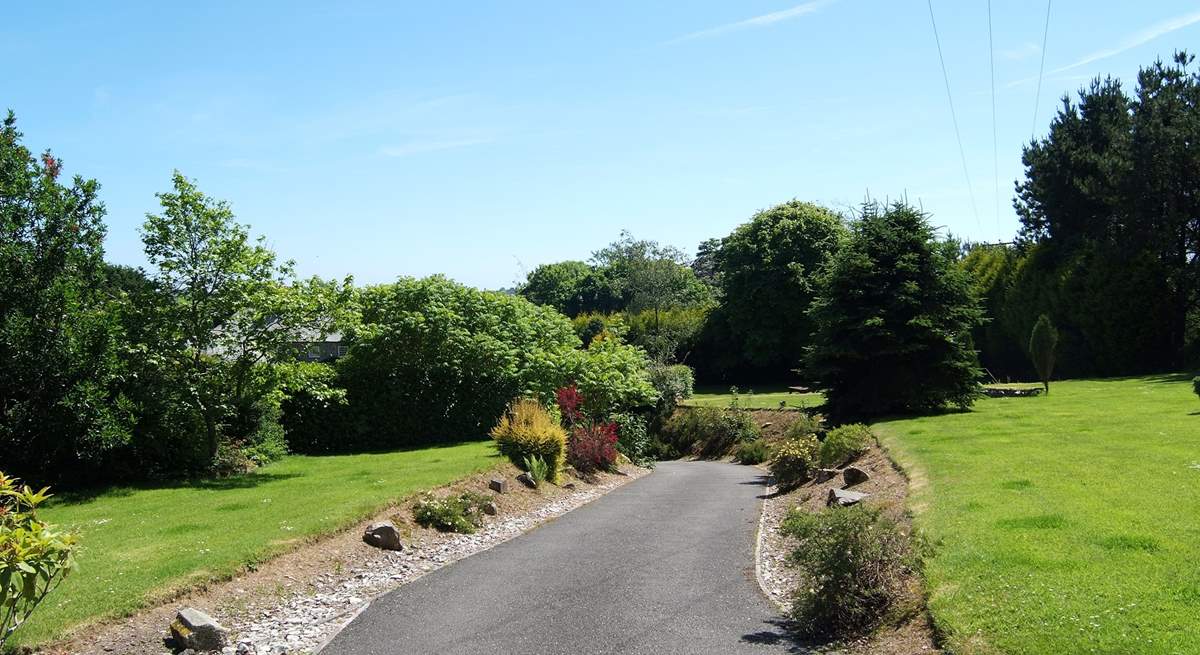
(480,139)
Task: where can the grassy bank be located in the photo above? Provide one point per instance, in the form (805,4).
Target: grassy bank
(1064,523)
(141,543)
(766,397)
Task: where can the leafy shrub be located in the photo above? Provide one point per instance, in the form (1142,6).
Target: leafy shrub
(612,377)
(570,403)
(34,557)
(462,513)
(538,469)
(806,423)
(527,430)
(633,438)
(673,383)
(590,325)
(794,460)
(709,431)
(854,562)
(1196,385)
(593,447)
(845,444)
(435,360)
(752,452)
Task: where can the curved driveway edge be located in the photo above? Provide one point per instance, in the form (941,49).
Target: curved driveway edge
(664,564)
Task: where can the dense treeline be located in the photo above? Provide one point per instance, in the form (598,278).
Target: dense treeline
(1110,233)
(191,366)
(1108,250)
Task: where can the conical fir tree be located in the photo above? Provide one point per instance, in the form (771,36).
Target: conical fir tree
(893,316)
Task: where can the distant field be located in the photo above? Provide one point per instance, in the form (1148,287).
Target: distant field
(767,397)
(139,542)
(1065,523)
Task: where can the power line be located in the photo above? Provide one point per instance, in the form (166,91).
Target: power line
(995,140)
(953,116)
(1038,96)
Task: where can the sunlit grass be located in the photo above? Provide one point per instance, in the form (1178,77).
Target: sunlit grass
(1065,523)
(766,397)
(141,542)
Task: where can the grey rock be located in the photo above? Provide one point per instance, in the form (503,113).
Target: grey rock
(844,498)
(278,649)
(525,479)
(383,535)
(245,648)
(498,485)
(198,631)
(767,425)
(823,475)
(490,509)
(569,485)
(854,475)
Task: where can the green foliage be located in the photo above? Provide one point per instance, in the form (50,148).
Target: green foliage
(62,412)
(666,334)
(537,468)
(894,315)
(34,557)
(854,562)
(611,376)
(527,431)
(845,444)
(590,326)
(633,438)
(436,360)
(224,311)
(462,513)
(794,459)
(674,385)
(1043,341)
(1196,385)
(767,270)
(752,452)
(709,432)
(557,285)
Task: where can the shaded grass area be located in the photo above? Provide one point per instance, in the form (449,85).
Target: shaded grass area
(765,397)
(140,544)
(1065,523)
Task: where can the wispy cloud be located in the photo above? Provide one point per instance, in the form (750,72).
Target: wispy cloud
(1023,51)
(757,21)
(1130,42)
(420,147)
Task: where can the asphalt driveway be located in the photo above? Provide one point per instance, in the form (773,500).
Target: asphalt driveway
(662,565)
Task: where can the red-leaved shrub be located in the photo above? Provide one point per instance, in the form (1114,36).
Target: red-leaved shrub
(569,400)
(593,447)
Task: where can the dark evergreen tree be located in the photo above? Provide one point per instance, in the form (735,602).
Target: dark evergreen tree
(893,315)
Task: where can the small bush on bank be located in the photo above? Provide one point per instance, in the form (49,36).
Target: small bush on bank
(709,431)
(538,470)
(854,561)
(806,423)
(593,447)
(794,460)
(527,430)
(462,513)
(633,438)
(752,452)
(845,444)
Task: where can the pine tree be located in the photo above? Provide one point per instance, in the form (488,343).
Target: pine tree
(1043,341)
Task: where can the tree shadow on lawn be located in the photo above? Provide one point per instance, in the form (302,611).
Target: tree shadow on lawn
(244,481)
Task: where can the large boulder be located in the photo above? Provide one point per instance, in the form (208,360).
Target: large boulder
(198,631)
(824,475)
(527,480)
(854,475)
(844,498)
(383,535)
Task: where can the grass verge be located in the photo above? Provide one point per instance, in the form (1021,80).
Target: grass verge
(1063,523)
(141,545)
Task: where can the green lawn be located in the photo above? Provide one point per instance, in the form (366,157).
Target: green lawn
(140,542)
(767,397)
(1067,523)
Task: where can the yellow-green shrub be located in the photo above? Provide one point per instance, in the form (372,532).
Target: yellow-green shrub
(527,430)
(794,460)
